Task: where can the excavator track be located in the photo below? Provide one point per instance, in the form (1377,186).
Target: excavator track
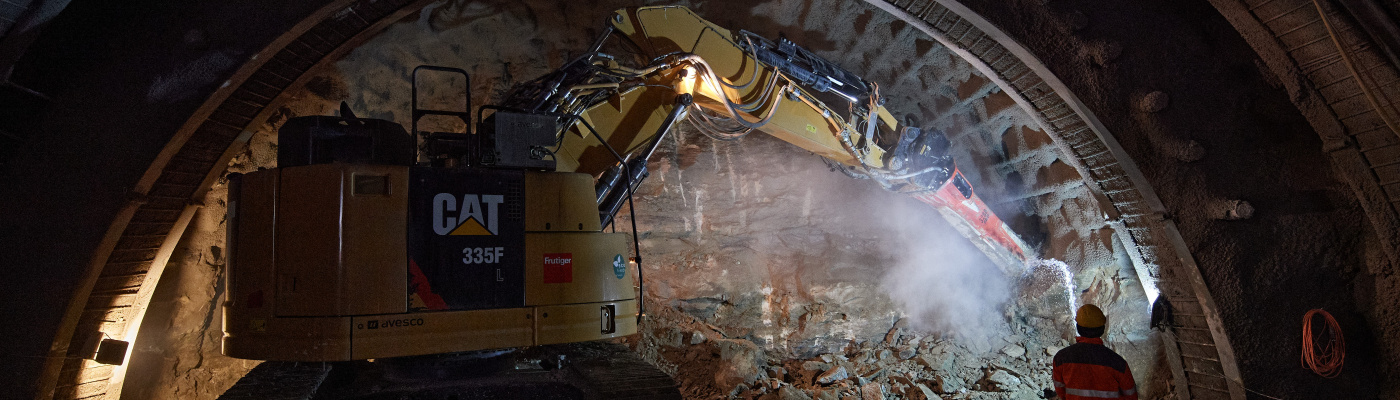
(591,370)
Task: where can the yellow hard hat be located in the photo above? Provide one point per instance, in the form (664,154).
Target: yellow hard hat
(1090,316)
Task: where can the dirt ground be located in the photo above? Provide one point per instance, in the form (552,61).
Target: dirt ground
(765,270)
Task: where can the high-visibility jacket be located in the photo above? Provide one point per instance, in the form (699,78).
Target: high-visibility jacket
(1089,371)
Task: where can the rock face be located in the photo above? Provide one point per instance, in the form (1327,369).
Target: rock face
(182,358)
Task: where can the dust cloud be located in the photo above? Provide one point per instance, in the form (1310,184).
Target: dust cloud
(941,280)
(937,279)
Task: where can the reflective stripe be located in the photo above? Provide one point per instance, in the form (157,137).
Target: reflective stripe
(1059,384)
(1102,394)
(1130,391)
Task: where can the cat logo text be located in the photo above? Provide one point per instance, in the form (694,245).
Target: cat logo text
(467,215)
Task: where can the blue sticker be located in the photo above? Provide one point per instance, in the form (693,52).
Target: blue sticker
(619,268)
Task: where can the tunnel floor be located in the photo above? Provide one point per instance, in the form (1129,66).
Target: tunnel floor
(576,371)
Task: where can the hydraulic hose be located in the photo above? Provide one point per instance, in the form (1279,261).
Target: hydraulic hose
(713,80)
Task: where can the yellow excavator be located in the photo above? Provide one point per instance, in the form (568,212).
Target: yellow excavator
(369,241)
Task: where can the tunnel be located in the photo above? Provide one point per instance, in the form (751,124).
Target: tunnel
(1206,172)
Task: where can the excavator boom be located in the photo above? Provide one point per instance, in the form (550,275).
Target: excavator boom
(740,83)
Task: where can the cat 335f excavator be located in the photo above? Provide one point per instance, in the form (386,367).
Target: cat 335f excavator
(371,242)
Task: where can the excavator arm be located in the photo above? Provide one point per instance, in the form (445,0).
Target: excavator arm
(729,84)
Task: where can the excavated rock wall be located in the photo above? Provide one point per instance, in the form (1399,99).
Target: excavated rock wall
(766,272)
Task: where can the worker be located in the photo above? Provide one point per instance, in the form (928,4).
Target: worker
(1087,370)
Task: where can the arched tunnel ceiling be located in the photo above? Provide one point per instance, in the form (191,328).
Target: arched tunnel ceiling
(1100,70)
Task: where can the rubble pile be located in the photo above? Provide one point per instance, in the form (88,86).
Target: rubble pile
(903,363)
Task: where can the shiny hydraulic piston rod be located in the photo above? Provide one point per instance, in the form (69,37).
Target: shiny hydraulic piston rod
(609,189)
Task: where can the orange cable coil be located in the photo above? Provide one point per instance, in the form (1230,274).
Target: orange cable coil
(1326,358)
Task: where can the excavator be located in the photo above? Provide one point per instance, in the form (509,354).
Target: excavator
(369,241)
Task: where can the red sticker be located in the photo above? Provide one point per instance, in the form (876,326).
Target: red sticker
(558,267)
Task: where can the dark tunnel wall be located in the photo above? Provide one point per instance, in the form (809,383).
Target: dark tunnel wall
(124,76)
(1226,130)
